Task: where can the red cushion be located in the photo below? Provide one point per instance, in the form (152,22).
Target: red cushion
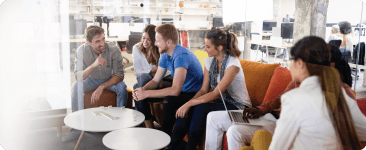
(362,105)
(279,82)
(225,146)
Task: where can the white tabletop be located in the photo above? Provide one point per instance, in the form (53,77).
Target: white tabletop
(85,120)
(136,139)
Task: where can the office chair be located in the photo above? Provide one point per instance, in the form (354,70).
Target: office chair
(133,38)
(361,57)
(257,40)
(336,43)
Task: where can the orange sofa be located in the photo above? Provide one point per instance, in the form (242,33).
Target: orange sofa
(265,82)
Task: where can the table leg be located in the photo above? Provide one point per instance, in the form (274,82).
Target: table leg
(78,143)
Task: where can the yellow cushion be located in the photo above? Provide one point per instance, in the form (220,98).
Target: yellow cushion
(257,79)
(201,55)
(261,140)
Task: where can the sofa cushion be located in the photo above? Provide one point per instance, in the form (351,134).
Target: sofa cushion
(279,82)
(362,105)
(257,79)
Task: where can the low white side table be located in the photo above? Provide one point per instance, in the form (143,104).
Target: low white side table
(85,120)
(136,139)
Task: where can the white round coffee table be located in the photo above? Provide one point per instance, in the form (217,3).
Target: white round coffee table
(86,120)
(136,139)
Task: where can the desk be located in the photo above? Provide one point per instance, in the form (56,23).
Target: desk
(85,120)
(269,43)
(136,139)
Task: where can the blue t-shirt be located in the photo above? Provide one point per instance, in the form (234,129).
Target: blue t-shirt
(182,57)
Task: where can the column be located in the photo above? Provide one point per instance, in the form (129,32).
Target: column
(310,18)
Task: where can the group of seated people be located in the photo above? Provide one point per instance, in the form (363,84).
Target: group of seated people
(318,107)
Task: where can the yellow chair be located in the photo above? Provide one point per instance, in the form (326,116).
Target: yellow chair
(201,55)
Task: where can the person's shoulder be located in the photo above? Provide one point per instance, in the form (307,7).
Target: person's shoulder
(208,60)
(234,61)
(82,48)
(163,56)
(136,48)
(113,47)
(294,97)
(180,50)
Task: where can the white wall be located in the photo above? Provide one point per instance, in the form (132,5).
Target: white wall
(345,10)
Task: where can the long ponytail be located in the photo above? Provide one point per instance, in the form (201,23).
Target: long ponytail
(227,40)
(315,53)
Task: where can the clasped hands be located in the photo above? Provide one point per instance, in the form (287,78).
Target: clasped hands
(139,94)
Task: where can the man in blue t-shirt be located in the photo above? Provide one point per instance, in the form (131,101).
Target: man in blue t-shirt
(187,74)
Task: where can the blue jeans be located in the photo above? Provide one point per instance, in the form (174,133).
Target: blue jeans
(194,124)
(78,88)
(345,54)
(142,80)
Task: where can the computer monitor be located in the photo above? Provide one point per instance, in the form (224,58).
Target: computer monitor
(287,30)
(167,20)
(217,22)
(146,21)
(126,19)
(267,26)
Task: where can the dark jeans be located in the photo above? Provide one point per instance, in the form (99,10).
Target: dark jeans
(346,54)
(170,105)
(194,124)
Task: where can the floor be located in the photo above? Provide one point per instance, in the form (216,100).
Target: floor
(47,138)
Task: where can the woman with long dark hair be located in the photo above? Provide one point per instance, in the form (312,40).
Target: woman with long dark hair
(319,114)
(145,61)
(222,71)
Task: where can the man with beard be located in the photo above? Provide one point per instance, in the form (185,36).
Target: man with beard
(187,74)
(98,66)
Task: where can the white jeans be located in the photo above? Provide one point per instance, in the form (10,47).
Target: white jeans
(219,122)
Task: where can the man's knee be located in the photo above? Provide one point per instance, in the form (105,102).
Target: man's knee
(75,85)
(121,87)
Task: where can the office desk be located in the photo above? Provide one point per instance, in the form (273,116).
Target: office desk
(268,43)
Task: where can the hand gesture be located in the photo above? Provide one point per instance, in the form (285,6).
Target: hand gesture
(182,111)
(139,94)
(99,61)
(123,62)
(252,113)
(96,95)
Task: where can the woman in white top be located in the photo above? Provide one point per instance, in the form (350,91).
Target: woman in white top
(319,114)
(346,34)
(145,57)
(222,70)
(145,53)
